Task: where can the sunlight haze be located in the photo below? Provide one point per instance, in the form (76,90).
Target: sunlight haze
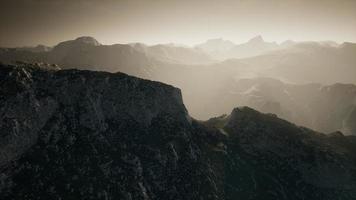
(182,22)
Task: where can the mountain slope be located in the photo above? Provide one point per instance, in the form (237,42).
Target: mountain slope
(174,54)
(308,62)
(322,108)
(216,47)
(92,135)
(255,46)
(300,63)
(71,134)
(269,158)
(87,53)
(223,49)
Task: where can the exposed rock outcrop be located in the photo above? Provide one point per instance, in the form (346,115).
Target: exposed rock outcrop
(93,135)
(270,158)
(71,134)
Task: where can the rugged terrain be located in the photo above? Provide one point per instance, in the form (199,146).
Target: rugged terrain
(324,70)
(270,158)
(325,108)
(94,135)
(71,134)
(224,49)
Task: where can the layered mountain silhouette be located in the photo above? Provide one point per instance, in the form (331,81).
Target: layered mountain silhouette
(224,49)
(304,62)
(205,82)
(216,47)
(325,108)
(295,62)
(174,54)
(88,53)
(36,49)
(73,134)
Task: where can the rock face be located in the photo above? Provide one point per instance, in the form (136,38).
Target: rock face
(216,85)
(89,135)
(270,158)
(71,134)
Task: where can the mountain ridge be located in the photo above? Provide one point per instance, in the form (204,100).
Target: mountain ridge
(213,82)
(83,134)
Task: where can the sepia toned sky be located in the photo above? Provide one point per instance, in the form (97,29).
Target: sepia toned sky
(32,22)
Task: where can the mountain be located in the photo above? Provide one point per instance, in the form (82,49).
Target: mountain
(174,54)
(307,62)
(322,108)
(224,49)
(287,43)
(270,158)
(216,46)
(325,108)
(205,83)
(294,62)
(72,134)
(36,49)
(87,53)
(78,42)
(255,46)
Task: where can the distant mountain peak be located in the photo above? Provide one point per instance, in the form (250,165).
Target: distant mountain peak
(78,42)
(216,44)
(348,45)
(256,39)
(219,41)
(88,40)
(216,40)
(287,43)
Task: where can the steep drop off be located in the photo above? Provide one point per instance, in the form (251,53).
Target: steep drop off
(92,135)
(71,134)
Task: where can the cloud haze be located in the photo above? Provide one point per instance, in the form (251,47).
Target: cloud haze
(30,22)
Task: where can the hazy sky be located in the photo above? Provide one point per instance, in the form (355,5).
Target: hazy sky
(31,22)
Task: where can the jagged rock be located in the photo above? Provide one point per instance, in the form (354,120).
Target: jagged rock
(270,158)
(71,134)
(93,135)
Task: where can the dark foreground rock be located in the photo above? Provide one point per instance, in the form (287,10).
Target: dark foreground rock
(94,135)
(269,158)
(70,134)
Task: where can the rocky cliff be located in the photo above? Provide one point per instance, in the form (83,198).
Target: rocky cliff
(270,158)
(71,134)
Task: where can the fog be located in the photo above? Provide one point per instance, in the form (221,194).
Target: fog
(178,99)
(35,22)
(289,58)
